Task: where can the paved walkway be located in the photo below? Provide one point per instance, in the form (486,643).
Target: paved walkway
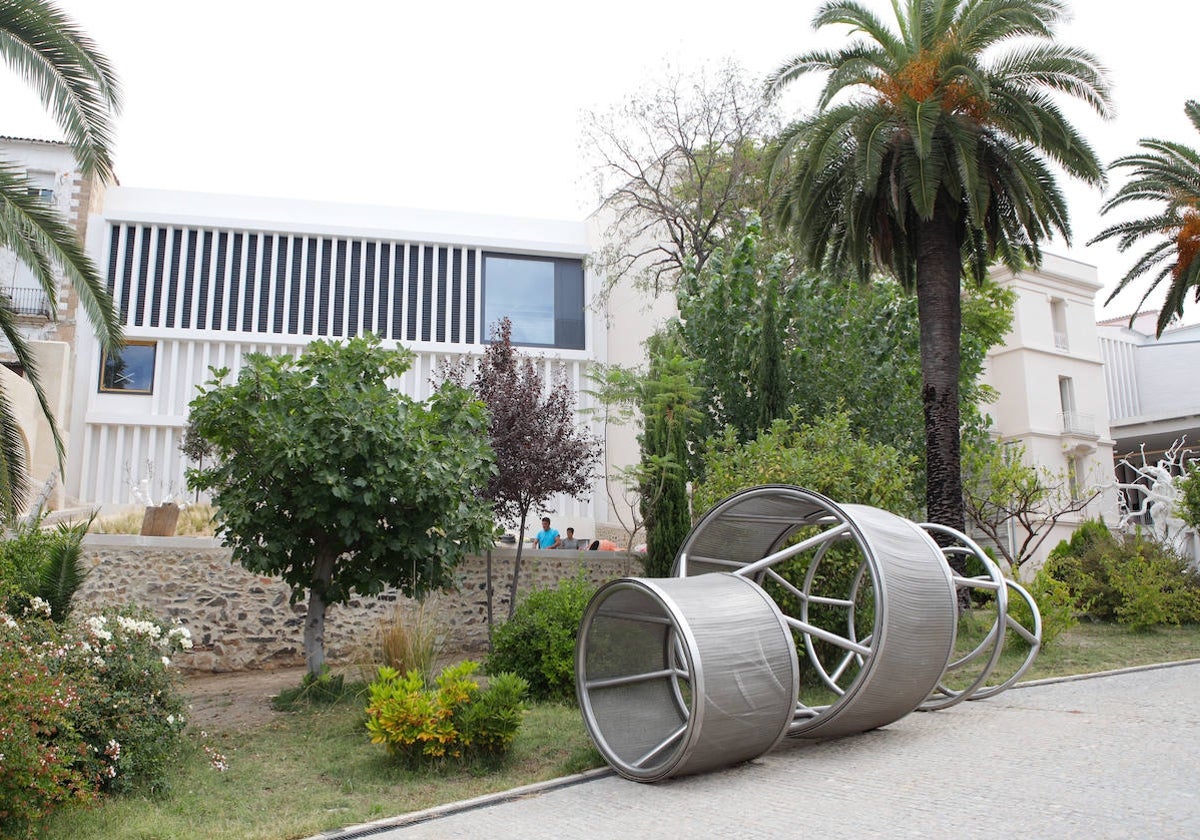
(1116,756)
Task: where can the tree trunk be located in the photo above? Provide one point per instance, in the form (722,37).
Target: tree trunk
(512,591)
(939,306)
(314,621)
(488,585)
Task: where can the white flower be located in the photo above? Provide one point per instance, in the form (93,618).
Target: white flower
(8,621)
(166,662)
(37,605)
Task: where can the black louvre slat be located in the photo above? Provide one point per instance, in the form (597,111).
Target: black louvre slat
(427,295)
(114,245)
(189,280)
(470,319)
(127,272)
(310,283)
(143,278)
(353,287)
(368,309)
(235,283)
(281,283)
(206,256)
(252,273)
(439,312)
(157,281)
(267,281)
(173,280)
(411,288)
(456,295)
(385,291)
(219,280)
(297,285)
(339,291)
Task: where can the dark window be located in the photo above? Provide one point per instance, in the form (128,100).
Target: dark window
(129,371)
(542,297)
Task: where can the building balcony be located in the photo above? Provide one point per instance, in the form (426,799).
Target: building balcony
(1078,423)
(1060,341)
(25,301)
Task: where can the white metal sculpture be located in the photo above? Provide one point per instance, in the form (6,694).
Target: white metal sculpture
(1155,493)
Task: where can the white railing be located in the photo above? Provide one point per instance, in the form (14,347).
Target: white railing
(1060,341)
(1078,423)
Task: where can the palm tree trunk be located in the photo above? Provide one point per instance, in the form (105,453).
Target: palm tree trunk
(939,307)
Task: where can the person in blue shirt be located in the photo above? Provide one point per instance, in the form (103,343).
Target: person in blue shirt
(547,537)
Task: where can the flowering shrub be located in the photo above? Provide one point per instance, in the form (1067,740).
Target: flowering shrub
(132,713)
(44,761)
(83,709)
(454,718)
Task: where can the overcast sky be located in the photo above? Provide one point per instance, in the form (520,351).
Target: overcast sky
(475,106)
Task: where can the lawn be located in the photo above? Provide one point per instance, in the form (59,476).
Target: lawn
(314,770)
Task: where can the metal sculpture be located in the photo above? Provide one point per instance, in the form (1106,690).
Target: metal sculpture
(697,671)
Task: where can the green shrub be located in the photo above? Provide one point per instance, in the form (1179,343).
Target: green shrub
(132,709)
(1055,605)
(1131,579)
(538,643)
(44,762)
(42,563)
(453,719)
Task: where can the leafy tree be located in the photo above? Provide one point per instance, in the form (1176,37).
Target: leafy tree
(539,450)
(1168,174)
(328,477)
(1000,490)
(678,167)
(939,161)
(1189,496)
(825,456)
(667,399)
(79,89)
(838,346)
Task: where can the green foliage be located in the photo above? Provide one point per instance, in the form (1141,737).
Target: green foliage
(45,762)
(826,456)
(1055,605)
(42,563)
(1131,578)
(1166,174)
(315,689)
(1189,496)
(538,642)
(452,719)
(84,708)
(667,400)
(328,477)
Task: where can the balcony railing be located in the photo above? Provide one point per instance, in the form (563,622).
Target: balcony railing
(1078,423)
(25,301)
(1060,341)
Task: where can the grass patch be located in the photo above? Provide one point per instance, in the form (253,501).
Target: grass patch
(194,521)
(314,769)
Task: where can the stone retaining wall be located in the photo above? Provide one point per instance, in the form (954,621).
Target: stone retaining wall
(241,621)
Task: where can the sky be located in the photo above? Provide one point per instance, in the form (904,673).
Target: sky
(476,106)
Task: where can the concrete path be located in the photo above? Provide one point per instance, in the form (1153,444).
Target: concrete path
(1115,756)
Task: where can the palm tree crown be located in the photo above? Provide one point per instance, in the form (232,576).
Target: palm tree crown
(932,150)
(1169,174)
(79,89)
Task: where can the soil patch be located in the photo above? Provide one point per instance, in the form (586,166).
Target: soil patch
(236,700)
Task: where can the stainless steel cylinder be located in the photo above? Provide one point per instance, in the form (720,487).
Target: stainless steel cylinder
(682,675)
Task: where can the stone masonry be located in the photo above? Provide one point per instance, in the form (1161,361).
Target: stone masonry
(241,620)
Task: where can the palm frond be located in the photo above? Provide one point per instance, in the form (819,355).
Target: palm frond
(73,80)
(64,570)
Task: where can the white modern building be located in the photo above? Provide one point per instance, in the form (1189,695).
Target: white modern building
(202,280)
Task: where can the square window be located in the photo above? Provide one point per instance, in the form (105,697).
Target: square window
(543,297)
(129,371)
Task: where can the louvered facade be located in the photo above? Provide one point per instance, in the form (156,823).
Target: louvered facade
(197,289)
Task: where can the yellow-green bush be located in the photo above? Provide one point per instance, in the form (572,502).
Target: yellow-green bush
(454,718)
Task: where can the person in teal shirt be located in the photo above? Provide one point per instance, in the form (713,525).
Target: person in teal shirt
(547,537)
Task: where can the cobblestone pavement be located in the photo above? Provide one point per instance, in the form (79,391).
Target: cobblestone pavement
(1114,756)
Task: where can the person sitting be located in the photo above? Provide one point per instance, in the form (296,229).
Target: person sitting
(547,537)
(571,543)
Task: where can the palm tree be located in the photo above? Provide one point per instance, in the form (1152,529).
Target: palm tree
(1167,173)
(930,156)
(77,86)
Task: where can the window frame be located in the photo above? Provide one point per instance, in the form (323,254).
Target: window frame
(104,389)
(567,272)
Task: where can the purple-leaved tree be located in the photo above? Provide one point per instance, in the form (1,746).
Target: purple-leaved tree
(540,449)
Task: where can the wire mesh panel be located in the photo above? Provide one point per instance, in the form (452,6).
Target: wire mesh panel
(866,592)
(680,675)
